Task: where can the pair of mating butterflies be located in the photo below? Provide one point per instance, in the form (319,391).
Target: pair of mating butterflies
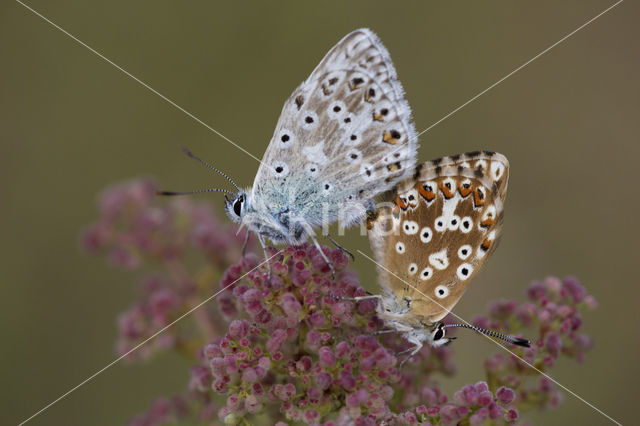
(344,137)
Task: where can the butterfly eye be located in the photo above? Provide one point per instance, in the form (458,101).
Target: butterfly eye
(439,334)
(237,206)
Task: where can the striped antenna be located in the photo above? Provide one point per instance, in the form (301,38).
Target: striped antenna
(192,155)
(511,339)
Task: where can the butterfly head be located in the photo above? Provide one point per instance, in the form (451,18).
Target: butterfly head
(237,207)
(438,337)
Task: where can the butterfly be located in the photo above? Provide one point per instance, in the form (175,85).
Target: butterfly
(432,237)
(344,136)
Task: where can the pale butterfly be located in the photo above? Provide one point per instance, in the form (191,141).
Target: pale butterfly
(344,136)
(432,239)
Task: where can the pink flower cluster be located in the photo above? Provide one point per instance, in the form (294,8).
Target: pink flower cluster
(305,353)
(292,348)
(553,310)
(137,231)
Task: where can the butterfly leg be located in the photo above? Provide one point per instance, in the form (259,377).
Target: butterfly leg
(246,243)
(326,259)
(414,350)
(359,298)
(344,250)
(264,250)
(392,330)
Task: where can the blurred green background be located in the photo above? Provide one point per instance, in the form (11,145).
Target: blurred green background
(71,124)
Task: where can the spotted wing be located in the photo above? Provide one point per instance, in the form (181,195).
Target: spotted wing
(439,230)
(344,136)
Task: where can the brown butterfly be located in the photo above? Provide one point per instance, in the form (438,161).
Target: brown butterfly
(432,239)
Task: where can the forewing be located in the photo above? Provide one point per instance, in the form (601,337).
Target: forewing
(439,230)
(344,136)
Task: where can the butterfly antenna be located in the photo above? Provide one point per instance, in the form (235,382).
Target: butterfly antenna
(192,155)
(197,191)
(511,339)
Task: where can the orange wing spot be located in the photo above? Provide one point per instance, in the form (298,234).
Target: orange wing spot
(448,193)
(369,94)
(465,190)
(399,203)
(378,117)
(486,244)
(478,197)
(487,222)
(428,195)
(325,90)
(388,138)
(394,167)
(355,83)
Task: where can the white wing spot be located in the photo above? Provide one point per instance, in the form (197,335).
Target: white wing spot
(309,120)
(481,163)
(285,138)
(351,138)
(497,170)
(426,234)
(336,110)
(413,268)
(312,169)
(367,172)
(464,251)
(439,259)
(347,120)
(410,227)
(464,271)
(426,273)
(441,291)
(354,156)
(440,224)
(466,224)
(315,153)
(280,169)
(454,223)
(400,248)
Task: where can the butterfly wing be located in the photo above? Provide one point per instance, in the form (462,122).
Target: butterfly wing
(439,230)
(344,136)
